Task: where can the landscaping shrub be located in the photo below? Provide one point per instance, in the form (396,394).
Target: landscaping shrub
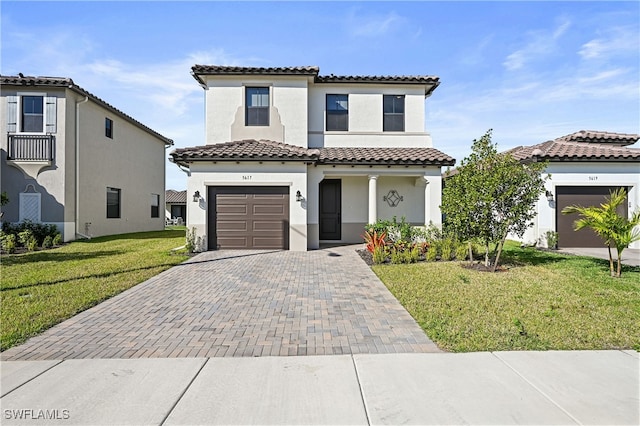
(551,238)
(432,254)
(48,242)
(462,251)
(25,233)
(8,243)
(57,239)
(379,255)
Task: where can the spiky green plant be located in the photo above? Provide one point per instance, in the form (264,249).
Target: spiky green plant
(612,227)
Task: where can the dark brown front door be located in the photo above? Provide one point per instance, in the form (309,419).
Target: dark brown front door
(330,209)
(585,196)
(248,217)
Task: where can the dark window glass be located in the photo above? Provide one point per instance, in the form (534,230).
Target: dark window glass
(155,205)
(337,112)
(32,113)
(113,203)
(108,128)
(393,108)
(257,106)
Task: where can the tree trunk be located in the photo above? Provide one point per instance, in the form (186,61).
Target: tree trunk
(470,252)
(486,255)
(499,247)
(619,272)
(612,273)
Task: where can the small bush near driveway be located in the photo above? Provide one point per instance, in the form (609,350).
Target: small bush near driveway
(544,301)
(40,289)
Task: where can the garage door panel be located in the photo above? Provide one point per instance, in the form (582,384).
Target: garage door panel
(232,209)
(232,225)
(250,217)
(267,242)
(271,209)
(268,225)
(232,242)
(585,196)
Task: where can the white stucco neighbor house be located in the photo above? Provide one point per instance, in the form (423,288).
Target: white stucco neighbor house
(294,159)
(585,167)
(69,158)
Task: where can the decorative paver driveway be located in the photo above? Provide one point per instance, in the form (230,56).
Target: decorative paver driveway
(241,303)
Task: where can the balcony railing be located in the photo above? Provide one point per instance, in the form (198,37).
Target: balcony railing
(31,147)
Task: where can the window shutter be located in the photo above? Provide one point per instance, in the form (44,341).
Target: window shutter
(12,114)
(51,114)
(30,207)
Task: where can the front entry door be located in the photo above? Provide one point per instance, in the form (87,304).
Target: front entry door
(330,209)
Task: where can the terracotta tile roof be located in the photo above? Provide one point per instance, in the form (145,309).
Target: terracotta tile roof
(175,197)
(264,150)
(593,136)
(563,150)
(249,149)
(233,70)
(431,81)
(386,156)
(62,82)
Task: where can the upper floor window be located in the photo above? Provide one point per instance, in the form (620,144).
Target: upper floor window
(393,110)
(108,128)
(337,112)
(257,106)
(31,113)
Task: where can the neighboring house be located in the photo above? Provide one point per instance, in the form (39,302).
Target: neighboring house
(71,159)
(176,205)
(294,159)
(585,167)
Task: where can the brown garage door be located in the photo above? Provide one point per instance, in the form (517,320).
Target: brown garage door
(249,217)
(585,196)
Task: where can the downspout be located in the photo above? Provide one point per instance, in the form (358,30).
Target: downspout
(77,165)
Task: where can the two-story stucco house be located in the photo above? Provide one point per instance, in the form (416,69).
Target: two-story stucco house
(71,159)
(294,159)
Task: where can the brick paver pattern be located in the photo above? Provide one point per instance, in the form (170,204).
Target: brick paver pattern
(240,304)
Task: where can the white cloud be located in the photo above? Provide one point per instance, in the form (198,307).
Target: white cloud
(373,25)
(541,43)
(617,40)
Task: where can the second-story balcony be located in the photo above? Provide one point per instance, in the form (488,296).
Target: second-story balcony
(30,147)
(30,153)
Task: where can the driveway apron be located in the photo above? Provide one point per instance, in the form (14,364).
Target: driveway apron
(241,303)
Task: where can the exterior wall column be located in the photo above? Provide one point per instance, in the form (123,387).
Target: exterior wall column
(373,198)
(427,201)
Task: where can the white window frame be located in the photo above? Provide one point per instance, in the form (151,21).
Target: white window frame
(19,113)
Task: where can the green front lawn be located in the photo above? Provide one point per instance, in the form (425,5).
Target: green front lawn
(544,301)
(40,289)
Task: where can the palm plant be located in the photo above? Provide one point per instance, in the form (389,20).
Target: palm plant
(609,225)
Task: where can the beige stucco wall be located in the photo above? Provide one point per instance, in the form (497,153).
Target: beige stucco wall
(224,109)
(133,161)
(292,175)
(366,116)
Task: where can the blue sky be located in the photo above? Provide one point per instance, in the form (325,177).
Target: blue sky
(532,71)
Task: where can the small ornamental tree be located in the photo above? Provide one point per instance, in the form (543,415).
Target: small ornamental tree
(490,196)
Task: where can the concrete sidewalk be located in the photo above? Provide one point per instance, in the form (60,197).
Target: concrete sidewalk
(577,387)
